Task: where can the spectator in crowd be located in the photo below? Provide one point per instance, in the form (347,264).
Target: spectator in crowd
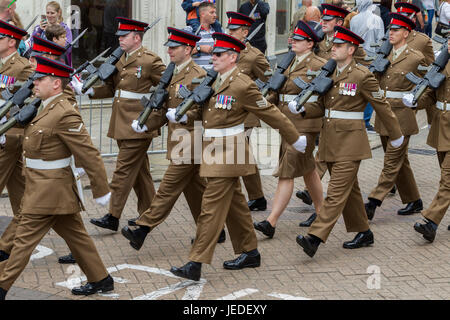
(192,14)
(57,34)
(6,13)
(312,14)
(429,7)
(385,9)
(202,53)
(260,15)
(54,17)
(15,20)
(300,13)
(444,12)
(420,24)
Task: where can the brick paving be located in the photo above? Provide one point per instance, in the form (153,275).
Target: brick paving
(409,267)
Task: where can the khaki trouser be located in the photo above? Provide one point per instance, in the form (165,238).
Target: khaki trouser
(441,201)
(132,172)
(343,196)
(223,201)
(396,171)
(11,177)
(30,231)
(177,179)
(252,182)
(321,166)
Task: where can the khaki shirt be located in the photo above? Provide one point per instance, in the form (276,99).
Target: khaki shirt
(324,51)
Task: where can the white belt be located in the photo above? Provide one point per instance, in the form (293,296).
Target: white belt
(335,114)
(290,97)
(224,132)
(57,164)
(394,94)
(131,95)
(441,105)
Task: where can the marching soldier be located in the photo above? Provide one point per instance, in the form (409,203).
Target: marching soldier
(437,138)
(182,175)
(50,200)
(396,169)
(254,64)
(235,95)
(344,143)
(138,70)
(293,164)
(13,68)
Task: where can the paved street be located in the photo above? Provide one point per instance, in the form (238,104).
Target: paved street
(400,265)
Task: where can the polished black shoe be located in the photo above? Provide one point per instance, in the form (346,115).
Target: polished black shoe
(136,236)
(107,222)
(190,270)
(3,293)
(411,208)
(132,222)
(370,207)
(308,222)
(304,196)
(222,237)
(309,244)
(89,288)
(3,256)
(243,261)
(67,259)
(259,204)
(362,239)
(265,227)
(427,229)
(393,190)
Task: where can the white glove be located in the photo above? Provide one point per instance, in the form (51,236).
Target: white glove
(300,144)
(293,107)
(77,85)
(103,201)
(3,120)
(90,92)
(408,99)
(137,128)
(397,142)
(171,116)
(2,139)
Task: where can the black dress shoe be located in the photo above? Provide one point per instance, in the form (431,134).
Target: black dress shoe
(427,229)
(243,261)
(265,227)
(370,207)
(67,259)
(222,237)
(411,208)
(89,288)
(309,221)
(309,244)
(393,190)
(304,196)
(136,236)
(3,293)
(258,204)
(132,222)
(107,222)
(362,239)
(3,256)
(191,271)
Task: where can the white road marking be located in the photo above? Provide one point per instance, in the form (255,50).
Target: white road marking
(286,296)
(239,294)
(42,252)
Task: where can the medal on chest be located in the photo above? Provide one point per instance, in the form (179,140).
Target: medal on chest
(224,102)
(177,90)
(347,89)
(5,81)
(139,72)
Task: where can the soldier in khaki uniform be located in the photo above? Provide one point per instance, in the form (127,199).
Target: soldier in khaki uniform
(138,70)
(182,175)
(50,199)
(293,164)
(438,138)
(13,68)
(254,64)
(344,143)
(235,95)
(396,169)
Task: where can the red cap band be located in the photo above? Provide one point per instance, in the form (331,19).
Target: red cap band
(41,48)
(239,22)
(345,37)
(225,44)
(131,27)
(401,23)
(11,33)
(405,10)
(52,71)
(302,33)
(329,12)
(183,40)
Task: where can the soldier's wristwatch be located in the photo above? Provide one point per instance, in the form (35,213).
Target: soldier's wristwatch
(198,49)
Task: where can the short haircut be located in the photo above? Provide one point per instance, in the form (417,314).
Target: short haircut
(234,52)
(205,5)
(140,34)
(54,31)
(352,45)
(64,81)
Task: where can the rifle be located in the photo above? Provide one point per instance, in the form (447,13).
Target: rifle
(75,40)
(277,80)
(381,63)
(253,34)
(158,97)
(108,68)
(320,84)
(433,78)
(18,98)
(31,23)
(253,10)
(89,65)
(22,117)
(199,95)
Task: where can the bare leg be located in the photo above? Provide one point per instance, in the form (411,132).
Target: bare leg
(283,195)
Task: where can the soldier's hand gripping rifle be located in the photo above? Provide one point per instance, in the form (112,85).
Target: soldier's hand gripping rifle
(158,98)
(89,65)
(381,63)
(108,68)
(22,117)
(320,84)
(433,78)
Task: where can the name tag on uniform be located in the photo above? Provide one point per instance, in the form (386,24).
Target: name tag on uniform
(224,102)
(139,72)
(347,89)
